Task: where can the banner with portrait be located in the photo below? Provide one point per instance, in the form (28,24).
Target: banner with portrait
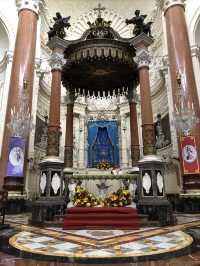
(15,166)
(189,155)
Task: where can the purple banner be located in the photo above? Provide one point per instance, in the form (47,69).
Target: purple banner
(15,166)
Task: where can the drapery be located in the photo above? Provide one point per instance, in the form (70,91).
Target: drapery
(103,142)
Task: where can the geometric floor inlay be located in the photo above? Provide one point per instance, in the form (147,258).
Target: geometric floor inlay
(38,244)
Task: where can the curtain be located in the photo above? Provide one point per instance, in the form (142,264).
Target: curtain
(103,138)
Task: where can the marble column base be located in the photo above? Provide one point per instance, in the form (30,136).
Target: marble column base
(151,190)
(52,191)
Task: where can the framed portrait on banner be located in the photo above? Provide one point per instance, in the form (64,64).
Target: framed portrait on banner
(15,165)
(189,155)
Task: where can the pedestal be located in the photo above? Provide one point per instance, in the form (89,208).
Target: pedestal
(51,191)
(151,190)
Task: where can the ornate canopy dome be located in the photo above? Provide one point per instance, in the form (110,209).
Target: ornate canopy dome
(100,61)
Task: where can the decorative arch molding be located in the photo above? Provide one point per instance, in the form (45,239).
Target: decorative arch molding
(5,70)
(80,26)
(9,31)
(194,23)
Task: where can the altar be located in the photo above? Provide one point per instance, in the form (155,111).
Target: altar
(101,64)
(101,185)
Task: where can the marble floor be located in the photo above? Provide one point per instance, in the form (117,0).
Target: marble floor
(189,260)
(49,244)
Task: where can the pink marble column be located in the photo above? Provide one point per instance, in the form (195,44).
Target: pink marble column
(68,158)
(22,70)
(180,59)
(135,146)
(54,112)
(141,44)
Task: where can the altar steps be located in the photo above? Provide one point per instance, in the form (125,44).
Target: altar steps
(101,218)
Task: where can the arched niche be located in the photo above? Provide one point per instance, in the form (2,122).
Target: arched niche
(197,32)
(4,40)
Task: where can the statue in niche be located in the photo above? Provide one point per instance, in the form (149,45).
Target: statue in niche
(59,26)
(140,26)
(161,142)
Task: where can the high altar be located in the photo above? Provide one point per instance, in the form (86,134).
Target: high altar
(101,65)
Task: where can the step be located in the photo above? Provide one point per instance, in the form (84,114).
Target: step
(101,222)
(119,210)
(101,216)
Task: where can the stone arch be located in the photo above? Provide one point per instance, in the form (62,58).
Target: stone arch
(7,36)
(4,47)
(4,41)
(197,32)
(194,28)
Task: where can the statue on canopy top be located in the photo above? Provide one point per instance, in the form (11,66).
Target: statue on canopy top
(59,26)
(140,26)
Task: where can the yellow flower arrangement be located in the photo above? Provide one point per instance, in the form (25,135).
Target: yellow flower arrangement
(120,198)
(83,198)
(104,165)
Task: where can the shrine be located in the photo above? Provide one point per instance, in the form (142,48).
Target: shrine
(100,143)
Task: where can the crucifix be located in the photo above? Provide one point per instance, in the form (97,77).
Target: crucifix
(99,9)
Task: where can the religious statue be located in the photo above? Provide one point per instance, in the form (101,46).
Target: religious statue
(59,26)
(140,26)
(72,188)
(103,189)
(161,142)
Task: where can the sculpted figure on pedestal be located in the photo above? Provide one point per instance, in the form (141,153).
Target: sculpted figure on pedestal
(140,26)
(59,26)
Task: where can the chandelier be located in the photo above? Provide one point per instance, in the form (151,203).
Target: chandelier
(184,116)
(20,123)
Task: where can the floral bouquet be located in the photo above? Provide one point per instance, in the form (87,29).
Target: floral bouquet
(120,198)
(83,198)
(104,165)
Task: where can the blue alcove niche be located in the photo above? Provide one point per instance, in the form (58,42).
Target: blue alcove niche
(103,142)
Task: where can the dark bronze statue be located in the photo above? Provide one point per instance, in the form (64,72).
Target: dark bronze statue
(140,26)
(59,26)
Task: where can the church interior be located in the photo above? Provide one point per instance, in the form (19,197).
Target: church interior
(99,132)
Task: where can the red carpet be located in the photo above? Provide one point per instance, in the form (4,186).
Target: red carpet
(101,218)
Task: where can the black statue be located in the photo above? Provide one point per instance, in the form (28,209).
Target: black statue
(140,26)
(59,26)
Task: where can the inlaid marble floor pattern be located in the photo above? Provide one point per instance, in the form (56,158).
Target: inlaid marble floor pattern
(49,246)
(100,243)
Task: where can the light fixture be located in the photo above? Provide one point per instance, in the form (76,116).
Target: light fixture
(21,120)
(184,116)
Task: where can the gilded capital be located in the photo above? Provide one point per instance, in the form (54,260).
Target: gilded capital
(142,58)
(57,61)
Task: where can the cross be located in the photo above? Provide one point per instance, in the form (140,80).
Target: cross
(99,9)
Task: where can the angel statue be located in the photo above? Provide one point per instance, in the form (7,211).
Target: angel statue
(59,26)
(140,26)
